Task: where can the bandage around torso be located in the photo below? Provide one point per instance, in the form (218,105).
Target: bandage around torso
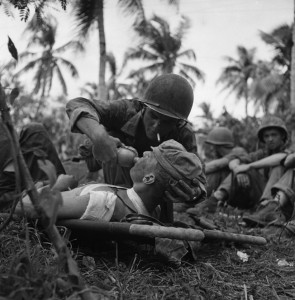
(102,202)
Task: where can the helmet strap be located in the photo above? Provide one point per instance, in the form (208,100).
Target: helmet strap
(142,111)
(181,123)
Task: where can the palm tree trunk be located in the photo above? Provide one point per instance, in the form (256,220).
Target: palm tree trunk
(292,81)
(169,66)
(102,90)
(293,64)
(246,99)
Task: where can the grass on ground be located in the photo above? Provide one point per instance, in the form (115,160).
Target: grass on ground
(29,269)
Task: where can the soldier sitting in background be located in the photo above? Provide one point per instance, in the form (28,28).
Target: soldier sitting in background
(263,171)
(220,145)
(281,205)
(35,144)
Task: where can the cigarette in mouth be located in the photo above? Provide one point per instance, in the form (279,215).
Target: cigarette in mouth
(158,137)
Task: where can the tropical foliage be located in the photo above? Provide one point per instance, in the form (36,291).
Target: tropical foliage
(89,14)
(266,83)
(272,84)
(116,89)
(26,7)
(46,60)
(162,49)
(237,75)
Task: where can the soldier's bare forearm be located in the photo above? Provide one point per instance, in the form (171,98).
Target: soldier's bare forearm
(216,165)
(270,161)
(92,128)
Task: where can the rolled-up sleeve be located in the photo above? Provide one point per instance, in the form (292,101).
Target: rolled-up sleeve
(238,153)
(112,114)
(80,107)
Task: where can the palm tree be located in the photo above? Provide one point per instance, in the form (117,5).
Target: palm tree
(236,77)
(115,89)
(89,90)
(49,62)
(292,86)
(207,111)
(136,84)
(266,88)
(162,50)
(280,39)
(89,13)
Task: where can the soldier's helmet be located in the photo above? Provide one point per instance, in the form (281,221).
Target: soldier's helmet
(269,122)
(170,95)
(220,136)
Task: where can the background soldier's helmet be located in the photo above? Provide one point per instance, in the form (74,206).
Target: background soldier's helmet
(170,95)
(269,122)
(220,136)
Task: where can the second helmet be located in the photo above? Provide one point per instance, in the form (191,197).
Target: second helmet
(220,136)
(272,122)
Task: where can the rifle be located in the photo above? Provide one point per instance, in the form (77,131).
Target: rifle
(124,230)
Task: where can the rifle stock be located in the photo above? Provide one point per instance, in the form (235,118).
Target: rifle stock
(112,229)
(129,229)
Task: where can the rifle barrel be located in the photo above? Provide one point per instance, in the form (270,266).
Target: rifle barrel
(233,237)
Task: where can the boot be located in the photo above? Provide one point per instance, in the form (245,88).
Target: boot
(269,213)
(285,230)
(208,206)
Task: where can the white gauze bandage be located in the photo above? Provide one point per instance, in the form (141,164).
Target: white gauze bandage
(101,205)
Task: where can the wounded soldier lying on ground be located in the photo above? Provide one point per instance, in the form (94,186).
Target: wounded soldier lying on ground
(151,175)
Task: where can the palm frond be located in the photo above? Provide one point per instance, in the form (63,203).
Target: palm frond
(182,28)
(30,65)
(189,53)
(133,7)
(206,108)
(61,80)
(89,89)
(199,74)
(111,61)
(271,39)
(72,45)
(231,60)
(85,13)
(154,68)
(38,79)
(68,65)
(143,53)
(173,2)
(147,53)
(185,74)
(49,80)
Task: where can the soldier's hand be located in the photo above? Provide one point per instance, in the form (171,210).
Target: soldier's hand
(241,168)
(243,180)
(105,147)
(65,182)
(180,191)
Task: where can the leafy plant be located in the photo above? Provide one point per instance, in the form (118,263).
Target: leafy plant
(25,7)
(45,203)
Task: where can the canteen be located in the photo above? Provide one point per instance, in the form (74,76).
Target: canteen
(126,156)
